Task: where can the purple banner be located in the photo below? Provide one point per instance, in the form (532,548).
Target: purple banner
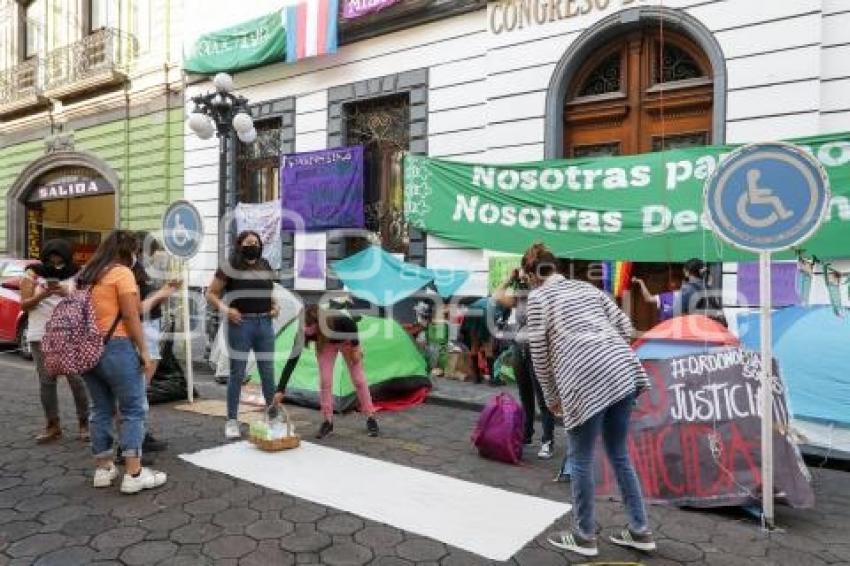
(356,8)
(325,188)
(782,279)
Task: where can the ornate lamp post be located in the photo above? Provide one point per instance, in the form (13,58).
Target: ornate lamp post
(222,113)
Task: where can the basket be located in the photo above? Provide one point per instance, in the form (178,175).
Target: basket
(288,442)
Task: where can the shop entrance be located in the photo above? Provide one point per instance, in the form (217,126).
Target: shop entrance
(72,203)
(649,90)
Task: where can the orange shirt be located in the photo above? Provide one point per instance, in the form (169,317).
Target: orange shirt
(118,280)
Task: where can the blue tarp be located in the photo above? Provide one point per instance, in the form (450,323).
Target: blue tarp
(812,346)
(382,279)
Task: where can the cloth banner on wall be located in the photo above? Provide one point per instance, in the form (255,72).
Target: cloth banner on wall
(324,188)
(352,9)
(243,46)
(640,208)
(695,436)
(264,219)
(783,278)
(500,268)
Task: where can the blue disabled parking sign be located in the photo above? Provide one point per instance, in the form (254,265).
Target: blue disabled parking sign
(182,230)
(767,197)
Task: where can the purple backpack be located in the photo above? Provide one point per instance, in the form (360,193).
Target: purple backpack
(498,434)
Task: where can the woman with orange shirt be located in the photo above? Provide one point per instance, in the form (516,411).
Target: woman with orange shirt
(120,374)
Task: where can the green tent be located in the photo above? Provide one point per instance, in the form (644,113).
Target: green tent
(394,366)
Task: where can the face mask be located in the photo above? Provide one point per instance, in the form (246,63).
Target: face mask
(251,252)
(133,261)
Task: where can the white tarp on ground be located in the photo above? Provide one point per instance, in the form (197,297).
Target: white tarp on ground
(490,522)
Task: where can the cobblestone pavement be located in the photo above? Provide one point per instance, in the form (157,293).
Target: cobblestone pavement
(49,514)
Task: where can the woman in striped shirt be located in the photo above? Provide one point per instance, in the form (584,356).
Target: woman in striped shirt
(579,341)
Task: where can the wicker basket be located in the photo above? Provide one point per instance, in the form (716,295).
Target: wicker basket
(288,442)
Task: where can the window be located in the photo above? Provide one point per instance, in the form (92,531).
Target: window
(33,29)
(259,164)
(103,14)
(382,127)
(637,95)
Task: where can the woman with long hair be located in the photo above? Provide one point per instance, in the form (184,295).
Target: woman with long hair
(126,364)
(242,291)
(334,332)
(579,341)
(42,287)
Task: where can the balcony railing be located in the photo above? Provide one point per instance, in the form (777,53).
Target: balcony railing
(100,59)
(21,85)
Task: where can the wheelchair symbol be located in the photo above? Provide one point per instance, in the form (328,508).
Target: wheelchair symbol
(758,195)
(180,234)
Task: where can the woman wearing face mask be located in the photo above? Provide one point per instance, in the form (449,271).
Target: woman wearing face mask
(579,341)
(42,287)
(243,292)
(335,333)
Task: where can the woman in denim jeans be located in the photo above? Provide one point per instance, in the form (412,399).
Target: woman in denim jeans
(579,341)
(243,292)
(121,372)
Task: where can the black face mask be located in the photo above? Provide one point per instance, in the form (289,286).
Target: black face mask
(251,252)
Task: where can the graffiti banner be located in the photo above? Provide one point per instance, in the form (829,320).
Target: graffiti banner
(696,436)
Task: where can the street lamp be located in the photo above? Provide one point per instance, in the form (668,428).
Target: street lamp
(222,112)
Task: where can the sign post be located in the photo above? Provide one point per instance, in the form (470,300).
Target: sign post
(182,233)
(767,198)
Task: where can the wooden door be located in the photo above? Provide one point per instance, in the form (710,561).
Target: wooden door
(644,92)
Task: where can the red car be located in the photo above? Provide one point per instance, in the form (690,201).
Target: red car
(13,321)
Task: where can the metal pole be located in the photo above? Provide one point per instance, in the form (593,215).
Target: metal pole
(222,196)
(766,391)
(187,333)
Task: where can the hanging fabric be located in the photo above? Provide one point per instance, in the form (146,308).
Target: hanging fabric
(833,287)
(264,219)
(805,270)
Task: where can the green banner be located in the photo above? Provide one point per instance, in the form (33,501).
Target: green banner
(500,269)
(640,208)
(249,44)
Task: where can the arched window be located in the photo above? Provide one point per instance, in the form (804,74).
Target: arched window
(646,91)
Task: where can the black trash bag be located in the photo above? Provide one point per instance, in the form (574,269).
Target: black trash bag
(169,381)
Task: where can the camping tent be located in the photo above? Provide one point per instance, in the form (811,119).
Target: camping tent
(395,369)
(683,335)
(382,279)
(812,346)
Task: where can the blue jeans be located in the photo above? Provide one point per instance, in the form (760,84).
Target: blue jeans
(254,334)
(613,424)
(117,378)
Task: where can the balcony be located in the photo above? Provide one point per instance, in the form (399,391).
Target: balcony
(100,60)
(20,87)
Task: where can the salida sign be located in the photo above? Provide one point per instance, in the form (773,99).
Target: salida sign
(695,437)
(70,189)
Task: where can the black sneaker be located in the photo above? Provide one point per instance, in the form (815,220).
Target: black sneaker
(151,444)
(574,543)
(372,426)
(639,541)
(325,429)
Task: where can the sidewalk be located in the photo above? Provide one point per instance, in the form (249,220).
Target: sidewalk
(466,394)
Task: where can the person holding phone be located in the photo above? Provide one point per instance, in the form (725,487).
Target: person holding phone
(42,287)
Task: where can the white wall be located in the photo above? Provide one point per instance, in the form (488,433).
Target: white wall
(788,65)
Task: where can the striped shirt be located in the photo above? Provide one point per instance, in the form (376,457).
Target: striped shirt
(579,342)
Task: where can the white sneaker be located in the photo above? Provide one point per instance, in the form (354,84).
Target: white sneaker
(547,450)
(147,479)
(103,477)
(231,430)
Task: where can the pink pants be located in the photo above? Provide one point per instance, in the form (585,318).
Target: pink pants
(327,360)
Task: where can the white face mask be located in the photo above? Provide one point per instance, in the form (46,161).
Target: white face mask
(133,261)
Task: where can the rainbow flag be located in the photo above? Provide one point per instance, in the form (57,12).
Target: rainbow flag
(311,29)
(617,277)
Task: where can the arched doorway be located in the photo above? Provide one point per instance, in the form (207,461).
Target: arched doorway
(68,195)
(642,80)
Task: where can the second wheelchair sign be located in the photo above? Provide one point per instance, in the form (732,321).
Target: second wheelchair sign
(767,197)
